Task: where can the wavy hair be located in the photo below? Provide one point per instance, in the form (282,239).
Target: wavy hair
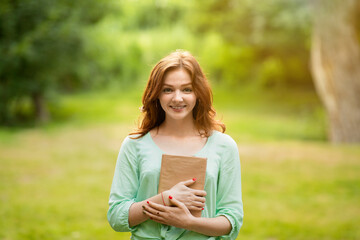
(203,112)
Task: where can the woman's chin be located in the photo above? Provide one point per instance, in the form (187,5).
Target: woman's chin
(178,115)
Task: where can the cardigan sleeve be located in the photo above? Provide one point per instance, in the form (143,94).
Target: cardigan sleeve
(229,197)
(124,187)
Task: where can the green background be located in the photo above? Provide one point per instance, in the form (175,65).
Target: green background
(91,60)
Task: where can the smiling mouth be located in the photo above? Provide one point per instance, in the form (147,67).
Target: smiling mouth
(178,107)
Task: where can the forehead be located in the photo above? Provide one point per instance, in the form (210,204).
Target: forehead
(177,77)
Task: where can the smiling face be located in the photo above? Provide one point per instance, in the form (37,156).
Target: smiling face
(177,97)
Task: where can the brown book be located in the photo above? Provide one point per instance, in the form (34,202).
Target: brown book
(175,169)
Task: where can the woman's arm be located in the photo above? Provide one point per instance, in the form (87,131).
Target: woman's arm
(179,216)
(136,215)
(217,226)
(192,199)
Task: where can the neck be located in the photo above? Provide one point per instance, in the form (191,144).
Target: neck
(178,128)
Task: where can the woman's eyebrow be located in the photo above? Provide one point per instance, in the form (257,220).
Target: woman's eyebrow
(182,85)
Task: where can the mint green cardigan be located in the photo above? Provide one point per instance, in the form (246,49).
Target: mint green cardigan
(136,178)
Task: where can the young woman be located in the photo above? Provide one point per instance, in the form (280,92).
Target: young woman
(178,120)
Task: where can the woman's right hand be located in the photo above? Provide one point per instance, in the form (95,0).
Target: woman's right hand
(192,198)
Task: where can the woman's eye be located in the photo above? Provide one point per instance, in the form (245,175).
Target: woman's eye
(167,90)
(188,90)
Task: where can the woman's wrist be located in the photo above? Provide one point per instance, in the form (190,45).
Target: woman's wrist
(165,195)
(217,226)
(192,223)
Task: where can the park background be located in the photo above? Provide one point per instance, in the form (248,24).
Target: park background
(71,79)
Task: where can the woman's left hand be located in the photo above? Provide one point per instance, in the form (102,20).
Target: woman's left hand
(178,215)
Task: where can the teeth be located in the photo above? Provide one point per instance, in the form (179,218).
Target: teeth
(178,107)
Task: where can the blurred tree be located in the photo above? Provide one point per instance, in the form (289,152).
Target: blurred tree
(40,47)
(269,39)
(122,48)
(336,65)
(278,33)
(150,14)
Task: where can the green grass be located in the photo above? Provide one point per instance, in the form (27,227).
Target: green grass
(301,191)
(55,179)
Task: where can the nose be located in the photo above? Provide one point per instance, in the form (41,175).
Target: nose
(177,96)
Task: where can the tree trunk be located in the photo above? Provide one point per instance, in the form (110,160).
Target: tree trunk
(41,112)
(335,63)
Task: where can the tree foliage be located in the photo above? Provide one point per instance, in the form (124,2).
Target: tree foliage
(47,46)
(41,45)
(270,38)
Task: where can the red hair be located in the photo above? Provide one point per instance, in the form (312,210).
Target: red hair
(203,112)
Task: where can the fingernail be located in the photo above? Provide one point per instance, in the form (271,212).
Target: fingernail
(202,209)
(170,197)
(194,179)
(151,218)
(147,202)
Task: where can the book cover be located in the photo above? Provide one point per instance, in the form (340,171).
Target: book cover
(175,169)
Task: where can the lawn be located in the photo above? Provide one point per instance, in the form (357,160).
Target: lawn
(55,179)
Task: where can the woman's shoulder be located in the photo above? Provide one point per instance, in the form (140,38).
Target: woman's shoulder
(132,140)
(223,139)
